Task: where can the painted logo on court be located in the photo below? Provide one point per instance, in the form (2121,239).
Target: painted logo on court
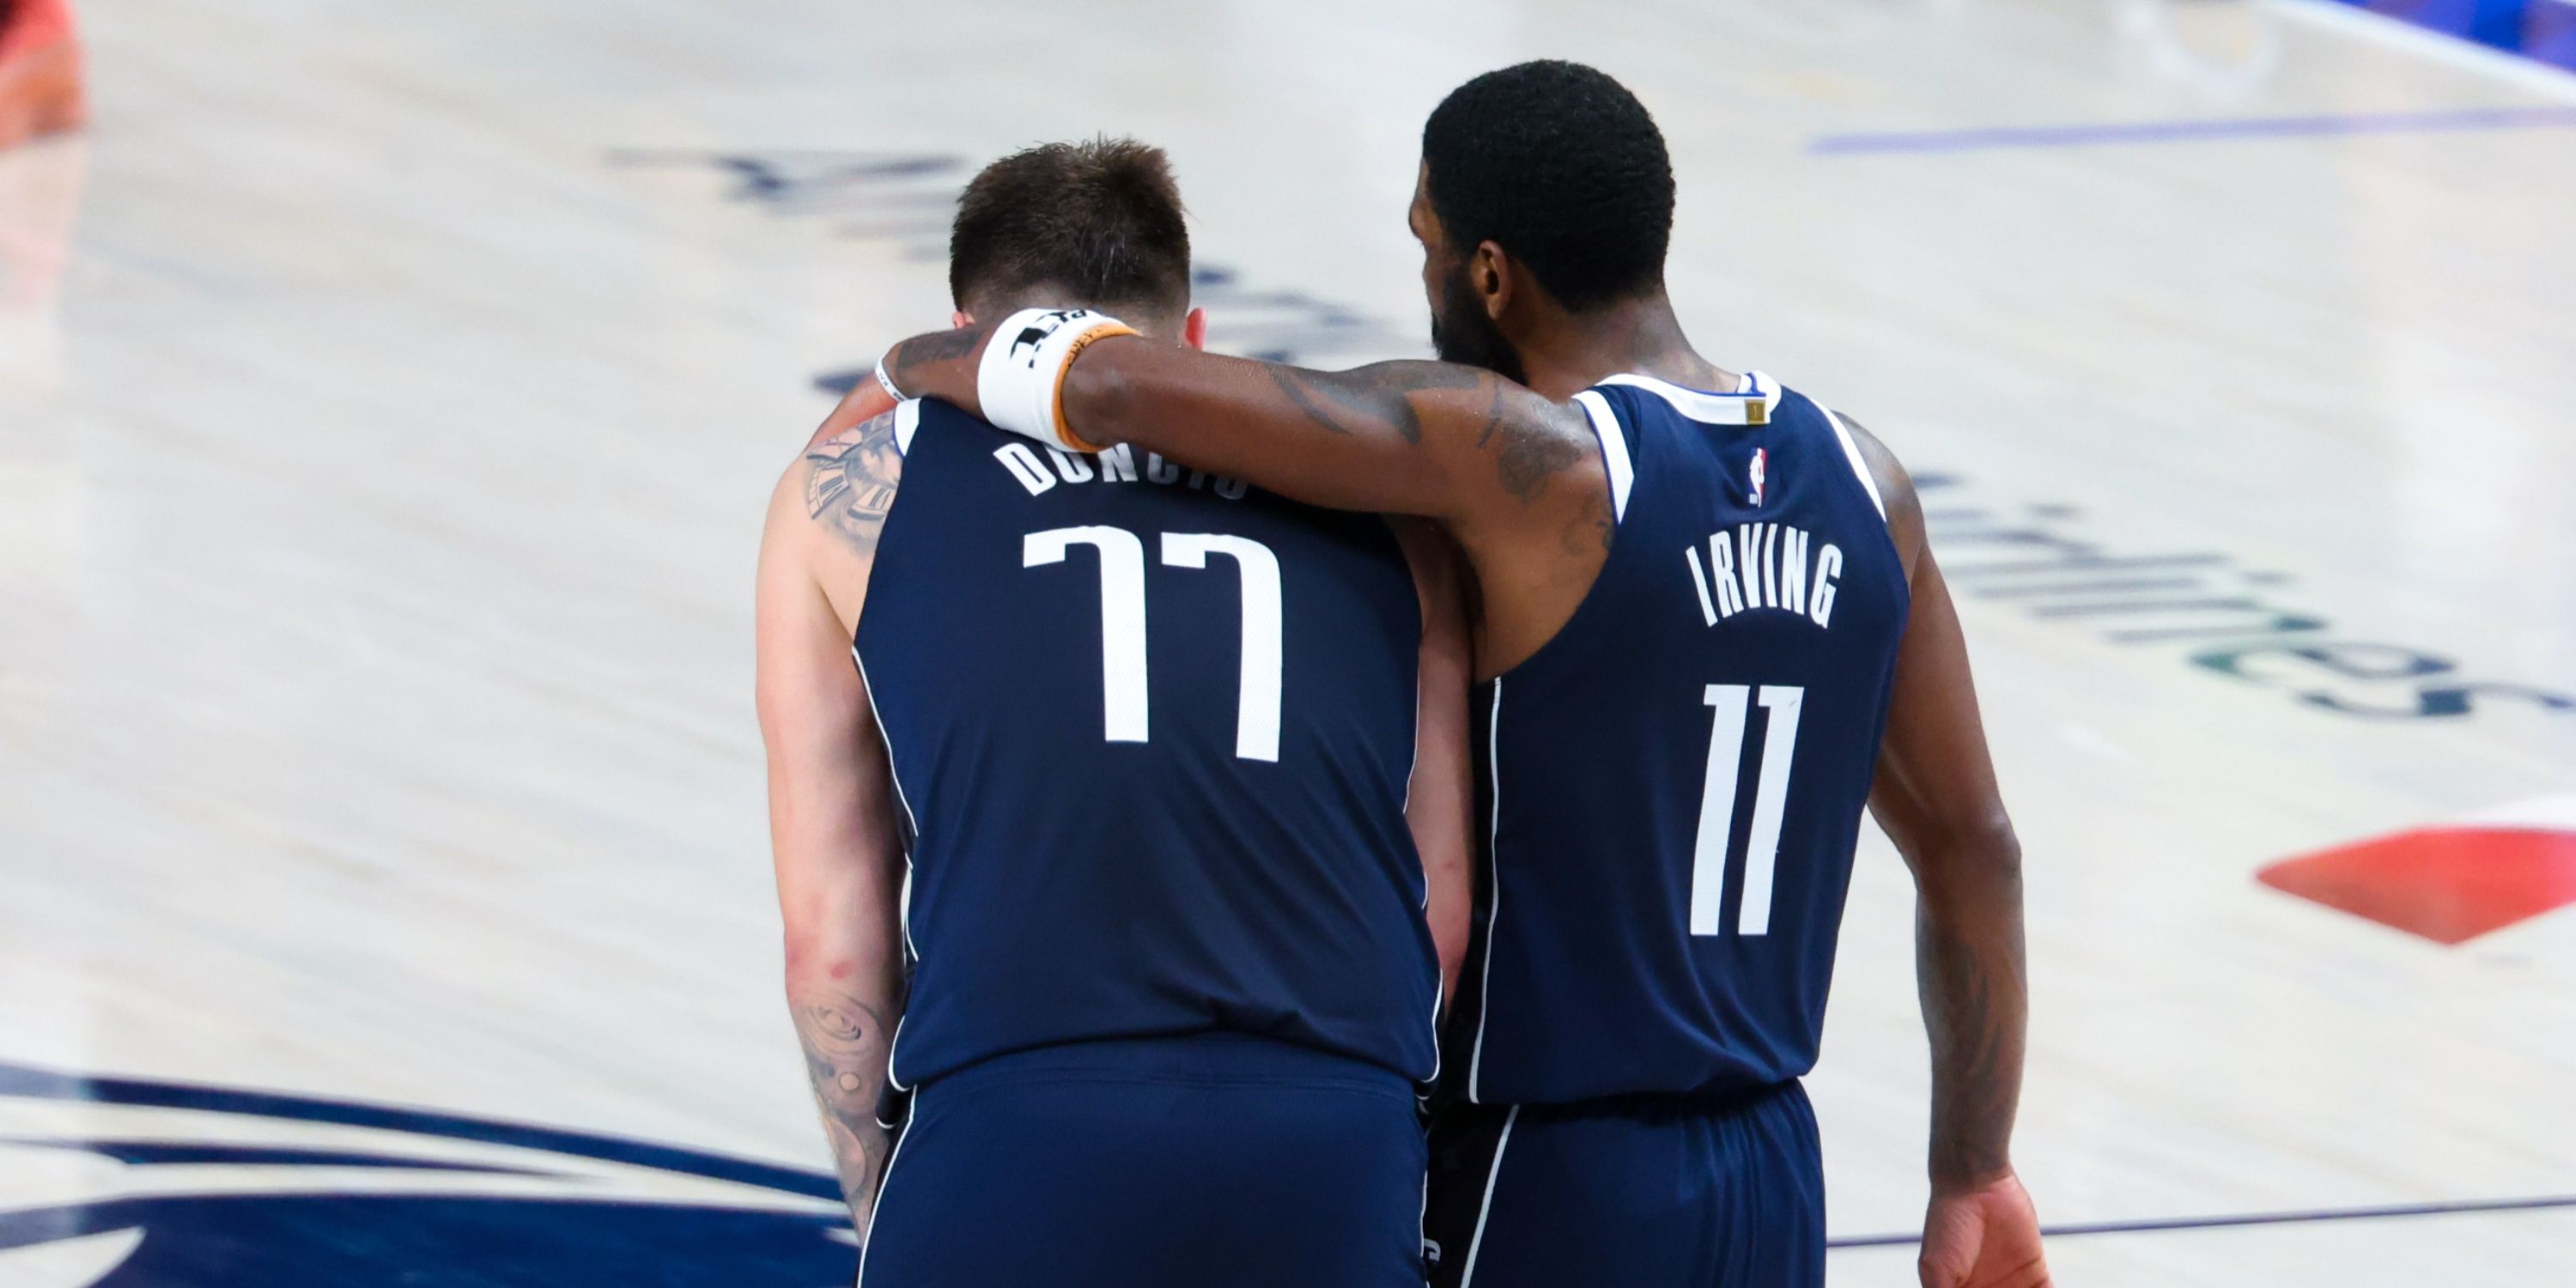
(126,1183)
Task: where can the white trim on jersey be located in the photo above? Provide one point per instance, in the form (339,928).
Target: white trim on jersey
(907,422)
(1436,999)
(1493,1177)
(867,1237)
(1438,1051)
(1851,452)
(1711,408)
(904,901)
(1614,450)
(1414,764)
(1493,892)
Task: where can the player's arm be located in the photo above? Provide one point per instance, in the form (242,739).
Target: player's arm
(832,812)
(866,401)
(1936,797)
(1424,438)
(1442,795)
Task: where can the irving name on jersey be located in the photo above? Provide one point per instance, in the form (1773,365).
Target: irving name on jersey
(1765,565)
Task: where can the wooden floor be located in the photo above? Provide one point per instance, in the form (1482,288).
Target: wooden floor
(389,397)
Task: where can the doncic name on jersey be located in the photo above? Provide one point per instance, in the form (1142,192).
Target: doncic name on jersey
(1112,465)
(129,1183)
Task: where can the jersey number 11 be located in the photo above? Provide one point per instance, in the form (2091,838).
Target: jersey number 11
(1717,806)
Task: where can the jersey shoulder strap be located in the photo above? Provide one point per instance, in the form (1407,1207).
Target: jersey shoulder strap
(1762,401)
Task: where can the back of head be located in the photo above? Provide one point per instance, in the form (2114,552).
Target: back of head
(1563,168)
(1096,223)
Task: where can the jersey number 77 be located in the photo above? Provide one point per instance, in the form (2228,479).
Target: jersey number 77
(1124,701)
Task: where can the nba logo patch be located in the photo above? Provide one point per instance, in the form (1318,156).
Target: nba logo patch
(1761,459)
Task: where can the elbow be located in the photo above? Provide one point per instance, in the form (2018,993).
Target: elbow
(1992,839)
(839,958)
(1976,860)
(813,956)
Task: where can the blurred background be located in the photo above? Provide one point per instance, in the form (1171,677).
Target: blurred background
(389,397)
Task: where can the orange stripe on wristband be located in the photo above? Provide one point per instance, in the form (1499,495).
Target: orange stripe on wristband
(1064,429)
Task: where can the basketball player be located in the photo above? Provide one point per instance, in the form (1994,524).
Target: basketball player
(1711,631)
(1168,1015)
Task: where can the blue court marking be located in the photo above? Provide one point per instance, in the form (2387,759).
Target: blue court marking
(148,1153)
(1998,138)
(46,1084)
(297,1227)
(2466,1207)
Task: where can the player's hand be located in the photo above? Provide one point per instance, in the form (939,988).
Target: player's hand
(1985,1237)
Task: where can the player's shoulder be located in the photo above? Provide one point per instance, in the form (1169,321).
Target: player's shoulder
(1895,486)
(893,427)
(1888,479)
(843,484)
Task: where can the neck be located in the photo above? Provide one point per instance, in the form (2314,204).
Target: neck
(1641,335)
(1155,323)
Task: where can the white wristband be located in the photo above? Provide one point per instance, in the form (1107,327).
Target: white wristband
(1020,382)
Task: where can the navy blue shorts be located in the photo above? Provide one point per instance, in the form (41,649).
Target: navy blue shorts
(1647,1191)
(1217,1159)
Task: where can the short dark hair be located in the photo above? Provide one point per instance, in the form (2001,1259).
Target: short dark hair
(1564,169)
(1100,221)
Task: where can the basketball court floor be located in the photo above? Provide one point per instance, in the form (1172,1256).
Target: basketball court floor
(389,396)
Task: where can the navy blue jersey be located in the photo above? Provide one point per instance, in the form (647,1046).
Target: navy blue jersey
(1676,780)
(1153,731)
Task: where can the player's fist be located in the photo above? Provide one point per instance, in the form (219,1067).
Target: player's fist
(1987,1237)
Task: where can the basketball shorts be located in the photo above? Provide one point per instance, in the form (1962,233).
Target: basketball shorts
(1167,1163)
(1647,1191)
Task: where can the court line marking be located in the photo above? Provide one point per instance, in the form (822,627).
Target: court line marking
(1997,138)
(2463,1207)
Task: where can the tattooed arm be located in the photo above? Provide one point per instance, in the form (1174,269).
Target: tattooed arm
(1426,438)
(832,813)
(1515,477)
(1935,795)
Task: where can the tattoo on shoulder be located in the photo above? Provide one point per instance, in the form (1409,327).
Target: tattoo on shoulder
(850,481)
(1527,456)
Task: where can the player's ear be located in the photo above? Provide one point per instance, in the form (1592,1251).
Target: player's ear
(1194,329)
(960,318)
(1489,275)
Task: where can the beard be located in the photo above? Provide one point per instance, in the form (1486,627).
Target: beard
(1461,333)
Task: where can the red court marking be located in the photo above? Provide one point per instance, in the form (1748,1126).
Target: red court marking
(2448,884)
